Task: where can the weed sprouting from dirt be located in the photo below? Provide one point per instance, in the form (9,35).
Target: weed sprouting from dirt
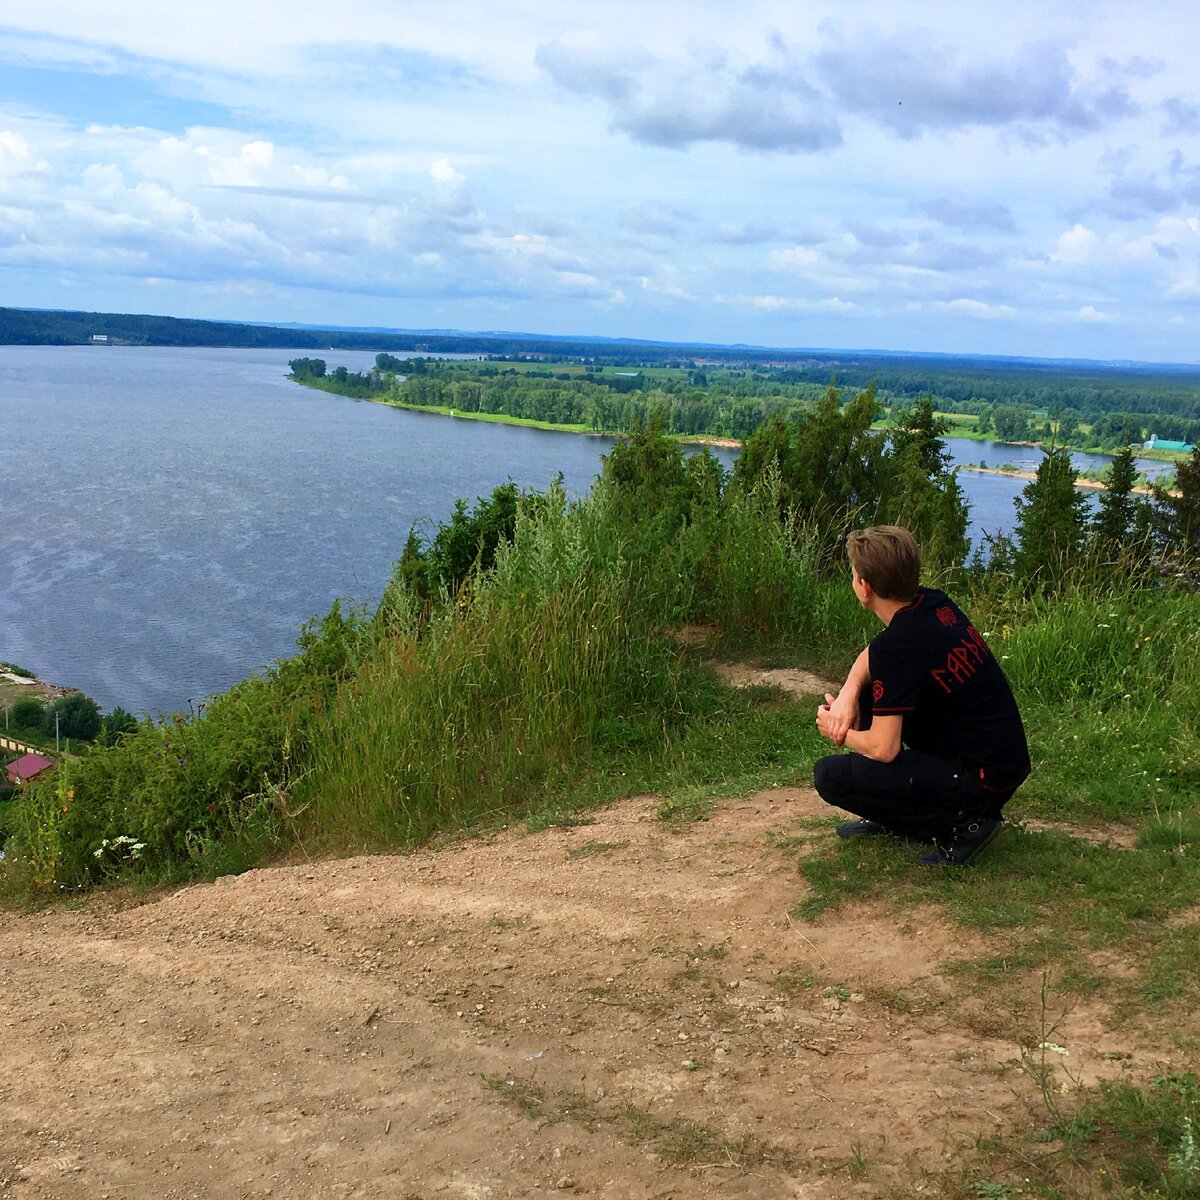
(686,809)
(680,1141)
(1135,1143)
(687,1143)
(794,979)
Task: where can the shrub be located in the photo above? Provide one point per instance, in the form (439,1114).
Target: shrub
(28,713)
(76,716)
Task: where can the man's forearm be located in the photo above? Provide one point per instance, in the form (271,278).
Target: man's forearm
(881,741)
(860,675)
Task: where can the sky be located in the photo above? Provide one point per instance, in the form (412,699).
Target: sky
(1016,178)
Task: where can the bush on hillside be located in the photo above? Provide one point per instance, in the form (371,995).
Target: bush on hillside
(74,716)
(27,713)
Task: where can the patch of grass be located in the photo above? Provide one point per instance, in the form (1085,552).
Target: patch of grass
(1131,1143)
(839,993)
(894,999)
(991,969)
(686,1143)
(534,1103)
(679,1141)
(1047,897)
(499,922)
(857,1162)
(688,808)
(557,815)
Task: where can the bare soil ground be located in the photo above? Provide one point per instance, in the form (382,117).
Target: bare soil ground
(17,687)
(620,1009)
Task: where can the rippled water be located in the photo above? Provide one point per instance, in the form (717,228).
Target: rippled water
(172,516)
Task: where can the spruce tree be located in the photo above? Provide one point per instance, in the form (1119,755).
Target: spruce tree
(1113,521)
(1051,520)
(922,491)
(1179,508)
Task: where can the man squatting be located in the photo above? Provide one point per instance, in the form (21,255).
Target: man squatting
(938,745)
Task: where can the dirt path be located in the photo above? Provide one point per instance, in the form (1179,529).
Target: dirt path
(621,1009)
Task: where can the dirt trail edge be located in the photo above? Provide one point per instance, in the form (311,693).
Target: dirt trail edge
(621,1009)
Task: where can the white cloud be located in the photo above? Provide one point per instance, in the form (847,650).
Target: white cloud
(706,172)
(1076,245)
(773,303)
(965,306)
(441,171)
(705,97)
(797,256)
(18,157)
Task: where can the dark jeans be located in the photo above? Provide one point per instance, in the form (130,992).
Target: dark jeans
(915,795)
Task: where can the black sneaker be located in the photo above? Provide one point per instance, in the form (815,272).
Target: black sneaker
(963,845)
(862,828)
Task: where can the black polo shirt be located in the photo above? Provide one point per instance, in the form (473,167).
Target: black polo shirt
(930,667)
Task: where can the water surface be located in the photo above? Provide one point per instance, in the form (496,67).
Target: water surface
(172,516)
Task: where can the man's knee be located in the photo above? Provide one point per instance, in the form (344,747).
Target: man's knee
(829,777)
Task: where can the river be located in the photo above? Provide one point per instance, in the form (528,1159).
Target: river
(172,515)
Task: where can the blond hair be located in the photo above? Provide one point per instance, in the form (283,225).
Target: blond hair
(888,558)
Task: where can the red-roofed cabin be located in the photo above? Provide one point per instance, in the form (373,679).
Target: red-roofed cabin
(28,767)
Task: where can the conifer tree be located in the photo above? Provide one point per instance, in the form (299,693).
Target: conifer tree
(831,462)
(1114,517)
(922,492)
(1051,520)
(1179,508)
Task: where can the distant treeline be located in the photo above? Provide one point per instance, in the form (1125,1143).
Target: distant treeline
(601,402)
(30,327)
(1159,399)
(719,402)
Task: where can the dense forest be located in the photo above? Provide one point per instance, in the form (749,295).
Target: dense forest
(733,401)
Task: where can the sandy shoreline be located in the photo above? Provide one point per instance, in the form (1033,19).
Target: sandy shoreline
(1093,484)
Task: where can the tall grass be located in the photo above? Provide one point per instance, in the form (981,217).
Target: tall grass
(439,711)
(1106,678)
(502,691)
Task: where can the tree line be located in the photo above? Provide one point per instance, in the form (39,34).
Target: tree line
(694,402)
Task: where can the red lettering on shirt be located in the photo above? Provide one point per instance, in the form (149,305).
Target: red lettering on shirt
(962,661)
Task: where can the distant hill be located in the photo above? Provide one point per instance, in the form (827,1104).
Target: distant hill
(42,327)
(51,327)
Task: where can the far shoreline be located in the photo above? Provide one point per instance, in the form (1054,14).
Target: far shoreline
(701,439)
(1093,484)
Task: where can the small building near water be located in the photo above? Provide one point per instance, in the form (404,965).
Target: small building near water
(28,767)
(1157,443)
